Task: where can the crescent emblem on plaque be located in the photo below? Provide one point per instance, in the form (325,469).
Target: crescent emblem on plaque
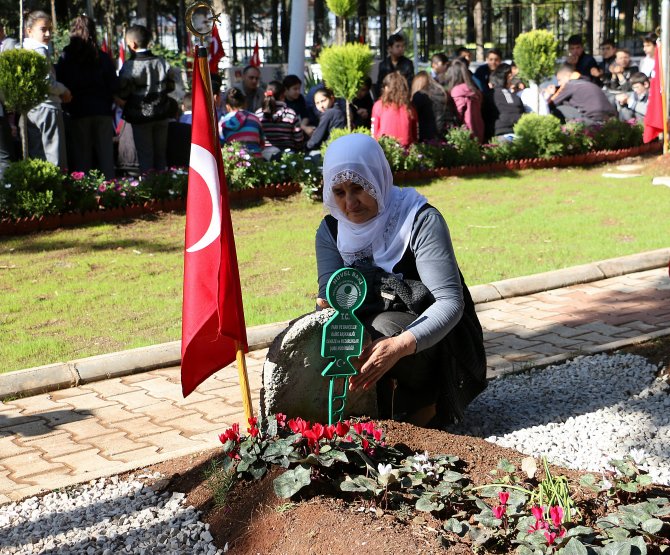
(204,164)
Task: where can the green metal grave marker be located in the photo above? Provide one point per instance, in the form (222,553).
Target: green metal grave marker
(342,336)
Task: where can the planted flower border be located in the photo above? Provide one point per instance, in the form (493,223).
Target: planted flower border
(530,512)
(310,182)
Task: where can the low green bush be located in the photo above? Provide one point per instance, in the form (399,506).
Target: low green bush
(337,133)
(615,134)
(467,148)
(32,188)
(578,138)
(539,137)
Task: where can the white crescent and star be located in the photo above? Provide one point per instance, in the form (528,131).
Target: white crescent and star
(203,163)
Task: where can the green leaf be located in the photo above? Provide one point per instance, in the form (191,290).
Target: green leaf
(336,455)
(427,505)
(279,448)
(644,480)
(609,521)
(258,470)
(579,531)
(456,526)
(627,547)
(630,487)
(506,466)
(272,426)
(488,520)
(360,484)
(574,547)
(652,526)
(292,481)
(479,536)
(587,480)
(451,476)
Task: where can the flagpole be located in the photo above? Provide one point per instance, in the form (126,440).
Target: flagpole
(203,67)
(664,101)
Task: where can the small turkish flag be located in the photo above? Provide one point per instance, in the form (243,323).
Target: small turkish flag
(653,119)
(216,51)
(122,54)
(255,60)
(213,326)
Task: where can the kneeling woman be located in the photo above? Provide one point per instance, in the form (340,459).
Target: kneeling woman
(426,358)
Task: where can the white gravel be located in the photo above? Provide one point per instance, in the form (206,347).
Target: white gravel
(579,414)
(104,517)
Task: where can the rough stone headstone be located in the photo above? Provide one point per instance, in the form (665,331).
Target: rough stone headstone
(292,380)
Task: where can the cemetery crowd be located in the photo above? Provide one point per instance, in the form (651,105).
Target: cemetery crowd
(131,120)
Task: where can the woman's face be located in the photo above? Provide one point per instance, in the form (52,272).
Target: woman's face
(323,102)
(356,204)
(41,31)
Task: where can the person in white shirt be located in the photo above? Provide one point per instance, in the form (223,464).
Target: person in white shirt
(648,63)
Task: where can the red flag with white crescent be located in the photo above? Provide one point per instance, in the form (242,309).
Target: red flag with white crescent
(653,119)
(213,327)
(255,60)
(122,54)
(216,51)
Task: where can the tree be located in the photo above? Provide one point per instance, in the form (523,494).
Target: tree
(535,56)
(344,68)
(343,9)
(24,84)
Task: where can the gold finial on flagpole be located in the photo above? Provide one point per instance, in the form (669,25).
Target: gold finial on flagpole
(201,18)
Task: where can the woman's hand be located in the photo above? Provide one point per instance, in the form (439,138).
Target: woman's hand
(322,303)
(379,357)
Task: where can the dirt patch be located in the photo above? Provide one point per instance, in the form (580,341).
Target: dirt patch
(256,521)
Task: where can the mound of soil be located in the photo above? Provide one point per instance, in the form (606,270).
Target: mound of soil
(256,521)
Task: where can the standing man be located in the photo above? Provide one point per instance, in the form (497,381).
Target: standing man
(250,85)
(395,61)
(144,83)
(493,60)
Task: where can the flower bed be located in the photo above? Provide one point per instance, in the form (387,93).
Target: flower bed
(35,195)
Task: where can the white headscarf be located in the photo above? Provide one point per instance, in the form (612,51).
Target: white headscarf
(359,158)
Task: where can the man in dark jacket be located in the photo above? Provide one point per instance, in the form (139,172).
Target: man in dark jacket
(584,63)
(144,83)
(578,99)
(395,61)
(502,108)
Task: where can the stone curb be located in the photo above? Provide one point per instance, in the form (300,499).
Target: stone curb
(60,375)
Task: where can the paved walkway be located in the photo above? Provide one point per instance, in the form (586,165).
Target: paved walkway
(52,440)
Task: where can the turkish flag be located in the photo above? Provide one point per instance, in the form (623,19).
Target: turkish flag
(215,51)
(653,119)
(213,326)
(122,54)
(255,60)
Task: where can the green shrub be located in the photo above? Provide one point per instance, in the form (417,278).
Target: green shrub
(579,139)
(539,137)
(535,54)
(615,134)
(344,68)
(467,149)
(32,188)
(394,152)
(337,133)
(499,150)
(23,79)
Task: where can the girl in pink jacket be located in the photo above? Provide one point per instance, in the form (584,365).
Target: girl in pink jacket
(466,97)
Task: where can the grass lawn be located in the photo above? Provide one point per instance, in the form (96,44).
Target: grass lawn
(80,292)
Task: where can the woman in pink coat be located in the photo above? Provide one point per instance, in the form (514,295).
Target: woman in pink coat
(466,97)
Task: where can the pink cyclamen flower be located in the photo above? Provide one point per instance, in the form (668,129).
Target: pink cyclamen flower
(281,419)
(342,428)
(499,511)
(556,515)
(551,537)
(537,512)
(77,176)
(102,188)
(504,497)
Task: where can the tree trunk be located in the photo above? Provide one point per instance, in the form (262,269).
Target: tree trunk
(599,20)
(590,42)
(274,30)
(23,127)
(383,29)
(629,6)
(393,15)
(319,26)
(655,15)
(516,23)
(430,25)
(285,29)
(470,22)
(362,21)
(339,30)
(479,30)
(488,21)
(439,28)
(350,123)
(142,12)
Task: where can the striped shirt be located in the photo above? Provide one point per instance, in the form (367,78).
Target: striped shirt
(242,127)
(282,129)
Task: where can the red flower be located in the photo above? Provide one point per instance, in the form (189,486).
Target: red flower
(504,497)
(537,512)
(232,433)
(318,430)
(365,444)
(499,511)
(253,421)
(329,432)
(253,432)
(342,428)
(556,515)
(377,434)
(551,537)
(369,427)
(298,425)
(281,419)
(358,428)
(253,429)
